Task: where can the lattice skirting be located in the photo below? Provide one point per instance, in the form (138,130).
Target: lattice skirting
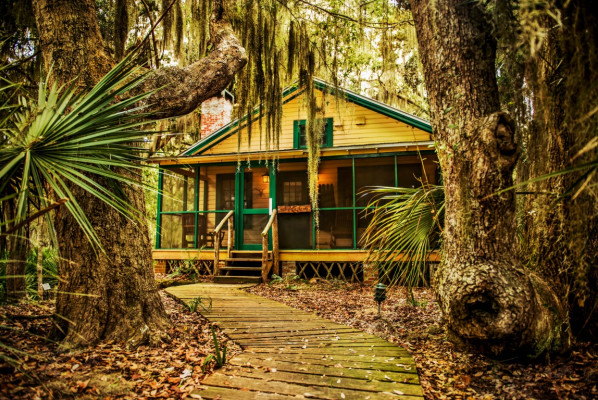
(346,271)
(198,267)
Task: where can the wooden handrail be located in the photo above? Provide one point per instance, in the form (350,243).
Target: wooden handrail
(221,224)
(217,241)
(272,223)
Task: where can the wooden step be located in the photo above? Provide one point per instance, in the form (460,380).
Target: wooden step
(240,268)
(252,260)
(237,279)
(253,254)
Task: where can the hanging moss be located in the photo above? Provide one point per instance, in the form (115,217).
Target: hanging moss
(289,43)
(179,34)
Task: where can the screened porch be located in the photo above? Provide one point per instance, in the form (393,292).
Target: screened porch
(195,198)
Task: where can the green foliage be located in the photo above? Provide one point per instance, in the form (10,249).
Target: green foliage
(219,354)
(206,362)
(405,221)
(68,138)
(199,302)
(49,271)
(290,282)
(187,269)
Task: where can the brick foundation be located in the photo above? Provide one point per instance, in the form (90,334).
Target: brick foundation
(160,266)
(370,274)
(289,269)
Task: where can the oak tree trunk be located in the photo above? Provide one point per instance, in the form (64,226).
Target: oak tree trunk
(561,232)
(113,295)
(490,303)
(16,288)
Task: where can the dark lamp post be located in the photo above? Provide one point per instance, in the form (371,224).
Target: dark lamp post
(379,295)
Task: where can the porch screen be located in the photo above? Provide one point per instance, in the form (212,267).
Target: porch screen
(177,220)
(295,228)
(371,173)
(190,206)
(218,195)
(409,175)
(335,201)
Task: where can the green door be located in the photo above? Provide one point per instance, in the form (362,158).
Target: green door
(254,206)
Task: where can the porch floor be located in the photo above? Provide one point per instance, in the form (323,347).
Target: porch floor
(289,353)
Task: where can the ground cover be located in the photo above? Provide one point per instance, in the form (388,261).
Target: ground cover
(106,371)
(445,371)
(175,369)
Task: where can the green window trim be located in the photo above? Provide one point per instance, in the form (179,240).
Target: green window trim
(328,133)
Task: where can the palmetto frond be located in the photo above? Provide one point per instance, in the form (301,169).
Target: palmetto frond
(406,225)
(67,137)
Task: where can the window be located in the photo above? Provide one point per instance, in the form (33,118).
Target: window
(225,192)
(300,135)
(292,186)
(291,192)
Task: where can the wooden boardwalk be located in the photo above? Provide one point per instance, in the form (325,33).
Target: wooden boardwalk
(289,353)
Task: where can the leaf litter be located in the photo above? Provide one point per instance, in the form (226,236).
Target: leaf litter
(108,370)
(174,369)
(446,372)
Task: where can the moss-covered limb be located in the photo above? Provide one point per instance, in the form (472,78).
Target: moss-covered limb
(184,89)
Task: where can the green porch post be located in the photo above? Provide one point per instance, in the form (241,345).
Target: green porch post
(159,208)
(354,206)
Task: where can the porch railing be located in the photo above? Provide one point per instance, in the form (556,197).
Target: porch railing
(218,237)
(272,223)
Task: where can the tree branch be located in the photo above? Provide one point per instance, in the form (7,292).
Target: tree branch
(184,89)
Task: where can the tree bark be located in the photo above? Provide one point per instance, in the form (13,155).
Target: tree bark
(16,246)
(16,288)
(39,269)
(113,295)
(561,235)
(490,303)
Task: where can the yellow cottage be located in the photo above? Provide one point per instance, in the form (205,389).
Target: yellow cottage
(243,221)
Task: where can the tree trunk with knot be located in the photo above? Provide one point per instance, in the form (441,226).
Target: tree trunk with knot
(490,302)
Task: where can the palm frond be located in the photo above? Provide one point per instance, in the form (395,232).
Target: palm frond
(406,225)
(67,138)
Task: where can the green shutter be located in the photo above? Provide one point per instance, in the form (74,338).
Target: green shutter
(329,131)
(296,134)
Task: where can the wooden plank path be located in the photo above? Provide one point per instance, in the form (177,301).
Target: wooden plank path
(289,353)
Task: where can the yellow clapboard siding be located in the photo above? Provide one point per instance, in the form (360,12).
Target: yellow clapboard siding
(378,129)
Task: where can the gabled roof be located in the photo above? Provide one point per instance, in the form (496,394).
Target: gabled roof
(292,92)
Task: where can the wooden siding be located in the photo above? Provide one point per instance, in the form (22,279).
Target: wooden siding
(378,129)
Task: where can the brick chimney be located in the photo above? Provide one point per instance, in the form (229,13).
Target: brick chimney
(215,113)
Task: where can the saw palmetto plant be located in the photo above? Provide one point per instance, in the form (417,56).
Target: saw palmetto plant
(69,137)
(406,225)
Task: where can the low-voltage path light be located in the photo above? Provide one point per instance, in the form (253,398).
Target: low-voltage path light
(379,295)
